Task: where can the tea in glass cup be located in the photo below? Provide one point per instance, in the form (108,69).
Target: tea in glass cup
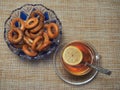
(74,56)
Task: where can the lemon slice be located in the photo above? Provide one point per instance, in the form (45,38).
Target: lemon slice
(72,55)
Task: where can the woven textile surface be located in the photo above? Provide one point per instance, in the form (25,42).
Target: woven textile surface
(96,21)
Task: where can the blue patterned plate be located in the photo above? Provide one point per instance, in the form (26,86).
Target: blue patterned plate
(23,13)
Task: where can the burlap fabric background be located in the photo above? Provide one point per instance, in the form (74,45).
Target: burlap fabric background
(97,21)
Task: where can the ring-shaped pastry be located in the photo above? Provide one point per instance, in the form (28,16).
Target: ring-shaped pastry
(34,35)
(37,28)
(27,50)
(28,40)
(46,42)
(39,13)
(52,30)
(37,40)
(15,35)
(31,23)
(20,21)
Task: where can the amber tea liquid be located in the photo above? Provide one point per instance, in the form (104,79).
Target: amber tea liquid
(88,54)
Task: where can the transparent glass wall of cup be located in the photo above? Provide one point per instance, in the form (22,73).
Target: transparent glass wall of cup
(88,55)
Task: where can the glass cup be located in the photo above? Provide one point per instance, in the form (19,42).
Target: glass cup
(88,55)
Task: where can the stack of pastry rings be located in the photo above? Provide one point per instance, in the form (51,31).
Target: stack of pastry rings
(32,35)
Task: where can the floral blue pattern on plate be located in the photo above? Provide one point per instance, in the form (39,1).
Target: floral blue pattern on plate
(23,13)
